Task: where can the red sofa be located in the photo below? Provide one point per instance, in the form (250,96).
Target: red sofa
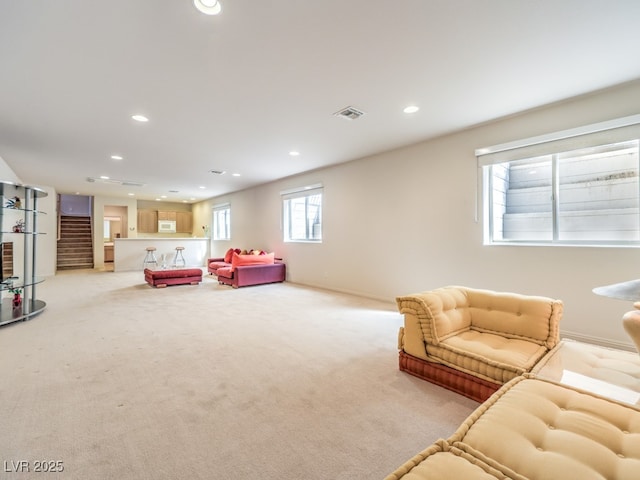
(244,270)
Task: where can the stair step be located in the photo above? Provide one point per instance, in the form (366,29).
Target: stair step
(75,261)
(73,258)
(75,267)
(74,231)
(75,247)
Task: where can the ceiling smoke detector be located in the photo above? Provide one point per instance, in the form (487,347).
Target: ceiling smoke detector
(217,172)
(350,113)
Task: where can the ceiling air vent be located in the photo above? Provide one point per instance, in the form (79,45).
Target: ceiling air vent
(217,172)
(124,183)
(349,113)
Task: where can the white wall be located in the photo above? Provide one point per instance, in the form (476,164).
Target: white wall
(46,243)
(129,223)
(404,221)
(7,174)
(79,205)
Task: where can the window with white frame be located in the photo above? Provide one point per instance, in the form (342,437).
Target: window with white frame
(222,222)
(577,187)
(302,215)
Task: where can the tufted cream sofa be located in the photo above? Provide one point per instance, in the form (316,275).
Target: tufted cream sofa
(536,429)
(573,413)
(473,341)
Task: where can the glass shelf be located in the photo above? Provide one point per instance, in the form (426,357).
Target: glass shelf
(13,209)
(9,189)
(9,313)
(8,284)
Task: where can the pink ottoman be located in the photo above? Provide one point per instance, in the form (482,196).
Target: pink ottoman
(177,276)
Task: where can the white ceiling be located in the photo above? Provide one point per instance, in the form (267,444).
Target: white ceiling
(238,91)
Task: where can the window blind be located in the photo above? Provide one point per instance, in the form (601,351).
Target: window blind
(301,191)
(612,131)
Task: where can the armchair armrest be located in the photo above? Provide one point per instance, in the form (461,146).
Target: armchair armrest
(258,274)
(438,314)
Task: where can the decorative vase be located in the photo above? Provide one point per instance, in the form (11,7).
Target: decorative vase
(17,300)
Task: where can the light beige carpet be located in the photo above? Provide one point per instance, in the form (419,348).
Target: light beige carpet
(118,380)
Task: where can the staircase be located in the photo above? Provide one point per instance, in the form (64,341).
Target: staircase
(75,247)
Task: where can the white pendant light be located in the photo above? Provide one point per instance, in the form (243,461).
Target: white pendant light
(208,7)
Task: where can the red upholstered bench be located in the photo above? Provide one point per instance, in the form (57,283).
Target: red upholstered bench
(176,276)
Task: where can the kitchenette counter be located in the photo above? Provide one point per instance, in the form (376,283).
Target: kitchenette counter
(129,253)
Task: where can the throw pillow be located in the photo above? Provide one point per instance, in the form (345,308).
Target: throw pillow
(242,260)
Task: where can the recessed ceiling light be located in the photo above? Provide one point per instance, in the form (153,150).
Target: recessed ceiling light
(163,196)
(104,177)
(158,200)
(208,7)
(235,174)
(131,194)
(202,187)
(411,109)
(116,157)
(192,198)
(294,153)
(140,118)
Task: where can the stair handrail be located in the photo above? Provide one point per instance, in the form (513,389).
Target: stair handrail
(59,225)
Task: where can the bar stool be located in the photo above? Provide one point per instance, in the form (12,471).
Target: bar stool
(150,258)
(178,260)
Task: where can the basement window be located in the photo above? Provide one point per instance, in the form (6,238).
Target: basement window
(222,222)
(579,187)
(302,214)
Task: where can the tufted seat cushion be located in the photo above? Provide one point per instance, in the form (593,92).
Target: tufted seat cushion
(488,356)
(441,461)
(543,430)
(536,430)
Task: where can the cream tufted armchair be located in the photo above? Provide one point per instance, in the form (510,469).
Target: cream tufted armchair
(473,341)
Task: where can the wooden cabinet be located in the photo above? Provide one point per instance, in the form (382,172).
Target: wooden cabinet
(167,215)
(184,222)
(108,253)
(147,221)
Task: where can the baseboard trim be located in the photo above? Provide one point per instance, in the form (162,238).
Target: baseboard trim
(346,291)
(603,342)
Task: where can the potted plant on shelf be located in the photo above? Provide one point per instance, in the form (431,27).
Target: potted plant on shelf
(17,296)
(19,226)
